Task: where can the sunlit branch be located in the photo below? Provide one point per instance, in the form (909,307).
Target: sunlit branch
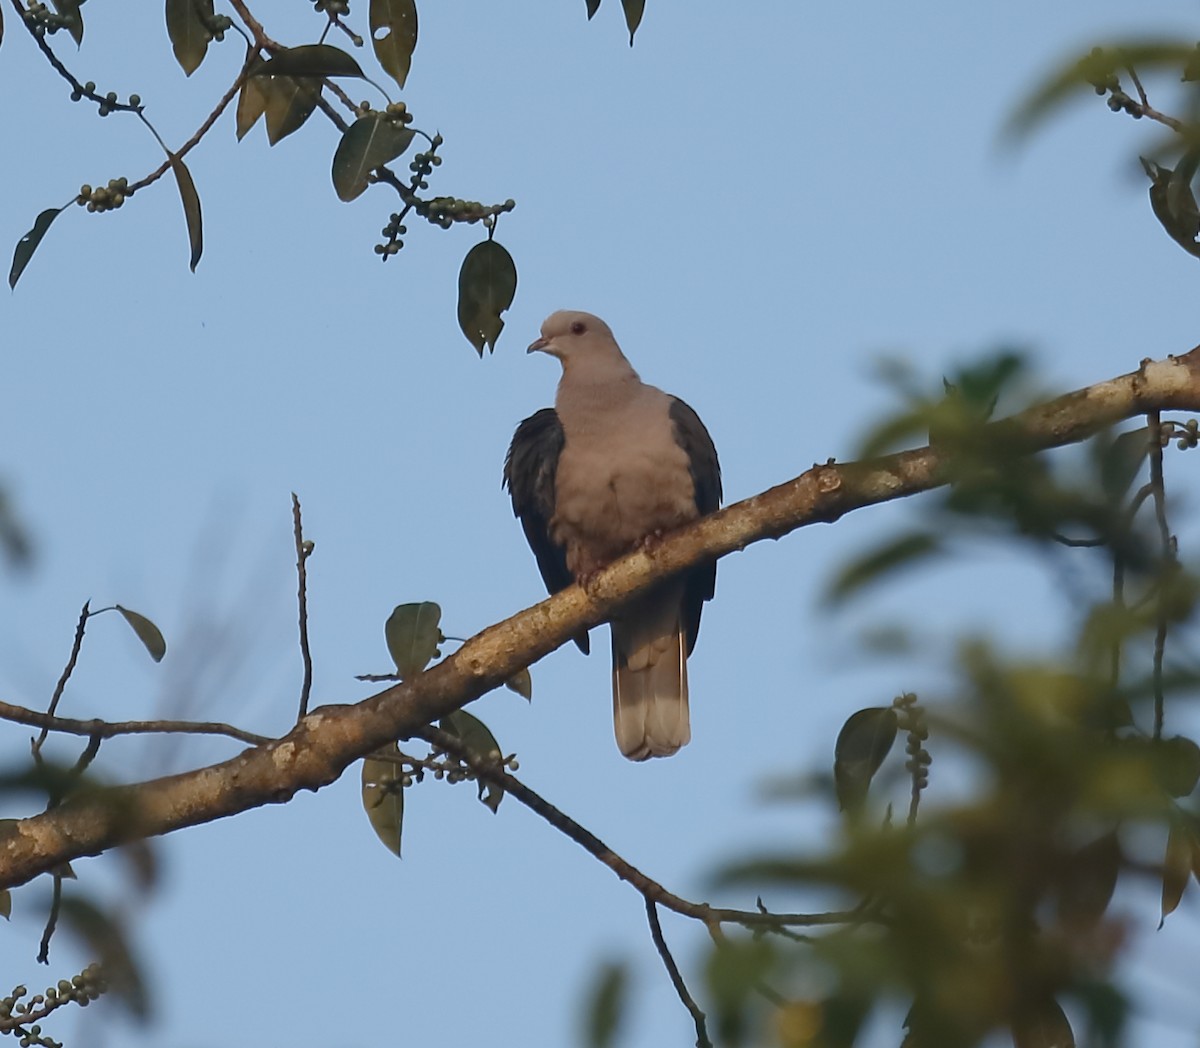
(321,746)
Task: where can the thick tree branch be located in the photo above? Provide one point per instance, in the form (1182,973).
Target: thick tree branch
(325,742)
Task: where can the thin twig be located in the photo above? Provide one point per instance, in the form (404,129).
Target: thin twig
(1167,570)
(66,676)
(1137,83)
(101,729)
(43,956)
(650,889)
(303,551)
(664,952)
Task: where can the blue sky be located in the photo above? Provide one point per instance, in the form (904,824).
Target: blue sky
(764,202)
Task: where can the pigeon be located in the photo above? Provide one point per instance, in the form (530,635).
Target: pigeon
(614,465)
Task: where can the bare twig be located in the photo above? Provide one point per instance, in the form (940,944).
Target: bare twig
(1167,566)
(651,890)
(76,645)
(100,729)
(681,989)
(43,956)
(303,552)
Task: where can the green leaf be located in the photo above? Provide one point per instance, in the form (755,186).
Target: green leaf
(481,743)
(105,939)
(1088,882)
(69,9)
(370,142)
(290,102)
(606,1003)
(5,903)
(191,208)
(1043,1026)
(522,683)
(1,25)
(1120,459)
(883,560)
(1173,203)
(487,284)
(383,800)
(1091,72)
(634,9)
(1177,865)
(592,7)
(147,633)
(394,36)
(413,636)
(317,60)
(28,244)
(189,34)
(864,741)
(252,103)
(1191,70)
(1178,765)
(735,972)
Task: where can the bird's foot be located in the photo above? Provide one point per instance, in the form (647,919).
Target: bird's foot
(651,540)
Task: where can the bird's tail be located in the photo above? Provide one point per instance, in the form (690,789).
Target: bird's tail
(650,693)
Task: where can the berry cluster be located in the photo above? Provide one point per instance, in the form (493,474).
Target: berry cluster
(15,1012)
(42,20)
(104,198)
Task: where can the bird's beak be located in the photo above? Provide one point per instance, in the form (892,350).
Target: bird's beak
(538,345)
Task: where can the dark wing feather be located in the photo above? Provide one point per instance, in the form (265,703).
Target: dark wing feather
(529,470)
(706,479)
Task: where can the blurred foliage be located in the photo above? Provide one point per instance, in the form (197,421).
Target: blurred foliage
(991,907)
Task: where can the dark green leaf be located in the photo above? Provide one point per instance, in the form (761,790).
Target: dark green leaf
(606,1002)
(28,244)
(487,284)
(252,103)
(1120,459)
(1174,205)
(394,36)
(634,9)
(481,743)
(413,636)
(147,633)
(191,209)
(290,102)
(315,60)
(1088,882)
(1178,764)
(69,9)
(873,565)
(1177,865)
(370,142)
(1043,1026)
(189,34)
(5,903)
(105,939)
(383,800)
(522,683)
(592,7)
(1,25)
(864,741)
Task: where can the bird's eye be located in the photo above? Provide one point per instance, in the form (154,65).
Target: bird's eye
(578,327)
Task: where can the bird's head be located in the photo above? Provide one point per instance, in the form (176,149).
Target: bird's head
(571,334)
